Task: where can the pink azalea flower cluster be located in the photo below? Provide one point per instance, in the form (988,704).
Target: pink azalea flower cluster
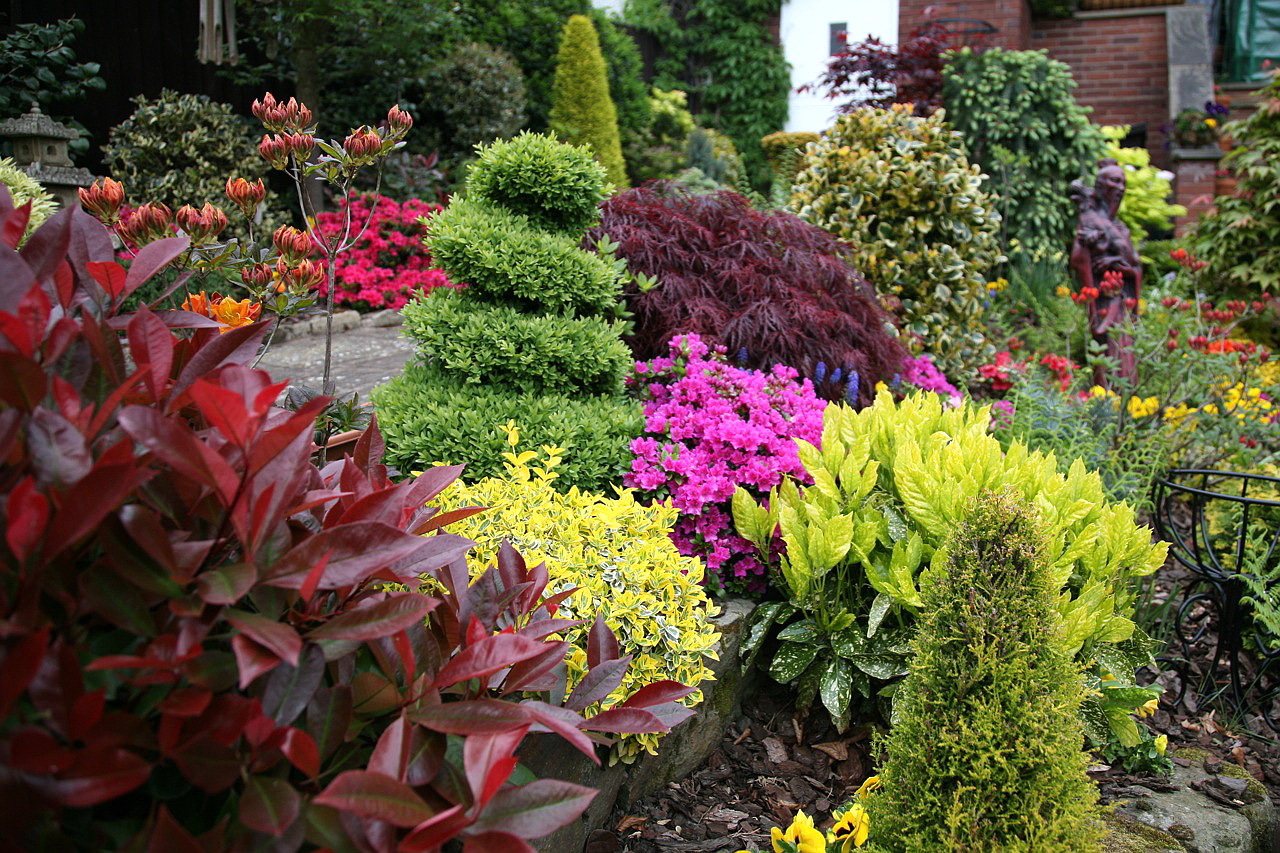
(709,428)
(389,264)
(920,372)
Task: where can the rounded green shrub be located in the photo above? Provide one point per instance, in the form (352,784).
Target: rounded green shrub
(582,111)
(481,343)
(986,754)
(900,190)
(477,95)
(1023,127)
(427,415)
(617,555)
(1240,236)
(504,257)
(22,189)
(180,149)
(558,187)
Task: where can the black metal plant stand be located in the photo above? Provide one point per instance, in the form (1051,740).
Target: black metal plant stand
(1216,587)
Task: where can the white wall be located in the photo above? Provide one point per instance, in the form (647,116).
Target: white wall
(805,34)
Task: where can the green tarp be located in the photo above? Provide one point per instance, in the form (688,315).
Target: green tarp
(1250,38)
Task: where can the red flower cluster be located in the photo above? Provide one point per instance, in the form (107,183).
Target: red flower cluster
(1186,259)
(1061,367)
(389,264)
(998,372)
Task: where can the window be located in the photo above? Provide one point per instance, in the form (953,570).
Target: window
(837,38)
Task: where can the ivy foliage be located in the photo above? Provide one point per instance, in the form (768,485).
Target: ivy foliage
(1240,237)
(724,56)
(1023,128)
(582,112)
(617,556)
(986,753)
(38,65)
(899,189)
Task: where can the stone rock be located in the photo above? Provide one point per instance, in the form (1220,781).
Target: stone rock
(1204,823)
(383,319)
(680,752)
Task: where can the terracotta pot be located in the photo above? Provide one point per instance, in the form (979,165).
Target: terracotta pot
(343,442)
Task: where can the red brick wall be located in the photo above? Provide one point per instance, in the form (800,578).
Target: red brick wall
(1121,69)
(1011,18)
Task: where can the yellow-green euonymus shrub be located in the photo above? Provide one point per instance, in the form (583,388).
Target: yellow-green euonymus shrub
(890,486)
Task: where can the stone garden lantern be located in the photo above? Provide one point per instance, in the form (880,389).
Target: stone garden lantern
(40,150)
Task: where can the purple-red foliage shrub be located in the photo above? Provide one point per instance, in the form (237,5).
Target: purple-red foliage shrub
(208,643)
(873,74)
(768,287)
(711,427)
(389,264)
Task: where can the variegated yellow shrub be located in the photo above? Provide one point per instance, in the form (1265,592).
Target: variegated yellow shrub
(617,552)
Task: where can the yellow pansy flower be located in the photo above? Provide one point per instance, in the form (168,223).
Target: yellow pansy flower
(868,787)
(1162,744)
(1148,708)
(851,829)
(800,837)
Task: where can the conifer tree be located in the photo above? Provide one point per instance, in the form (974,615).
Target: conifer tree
(582,112)
(987,753)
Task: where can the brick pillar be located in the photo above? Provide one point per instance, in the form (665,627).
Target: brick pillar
(1193,179)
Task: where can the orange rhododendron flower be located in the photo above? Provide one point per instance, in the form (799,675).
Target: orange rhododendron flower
(231,313)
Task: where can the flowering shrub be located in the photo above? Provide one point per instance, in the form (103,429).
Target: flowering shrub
(710,428)
(1000,372)
(920,372)
(388,263)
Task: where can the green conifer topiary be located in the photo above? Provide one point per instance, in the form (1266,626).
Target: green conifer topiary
(987,752)
(582,112)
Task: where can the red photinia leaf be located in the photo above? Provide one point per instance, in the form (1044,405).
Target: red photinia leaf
(23,382)
(356,550)
(404,650)
(269,805)
(430,483)
(301,750)
(370,446)
(235,346)
(186,702)
(436,521)
(431,833)
(35,751)
(625,721)
(110,275)
(279,637)
(151,258)
(27,516)
(252,659)
(290,688)
(489,760)
(225,410)
(496,842)
(487,716)
(99,775)
(168,836)
(15,225)
(657,693)
(82,507)
(21,662)
(598,683)
(391,754)
(312,581)
(534,810)
(226,584)
(602,645)
(543,628)
(536,673)
(177,445)
(18,332)
(489,655)
(375,796)
(207,764)
(377,620)
(85,713)
(151,345)
(328,717)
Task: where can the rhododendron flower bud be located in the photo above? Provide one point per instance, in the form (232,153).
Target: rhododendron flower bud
(103,199)
(302,276)
(257,277)
(301,144)
(247,196)
(146,224)
(292,244)
(297,116)
(202,226)
(362,144)
(275,150)
(267,112)
(398,121)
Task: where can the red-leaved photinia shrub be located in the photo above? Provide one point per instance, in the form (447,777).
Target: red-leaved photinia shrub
(389,264)
(211,644)
(769,287)
(711,427)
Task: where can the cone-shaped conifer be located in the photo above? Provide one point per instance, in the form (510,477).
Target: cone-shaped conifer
(582,112)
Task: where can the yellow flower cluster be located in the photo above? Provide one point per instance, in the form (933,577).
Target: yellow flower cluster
(617,552)
(850,831)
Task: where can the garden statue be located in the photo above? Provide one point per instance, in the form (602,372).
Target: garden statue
(1107,266)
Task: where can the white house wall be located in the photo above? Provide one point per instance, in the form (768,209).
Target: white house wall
(805,31)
